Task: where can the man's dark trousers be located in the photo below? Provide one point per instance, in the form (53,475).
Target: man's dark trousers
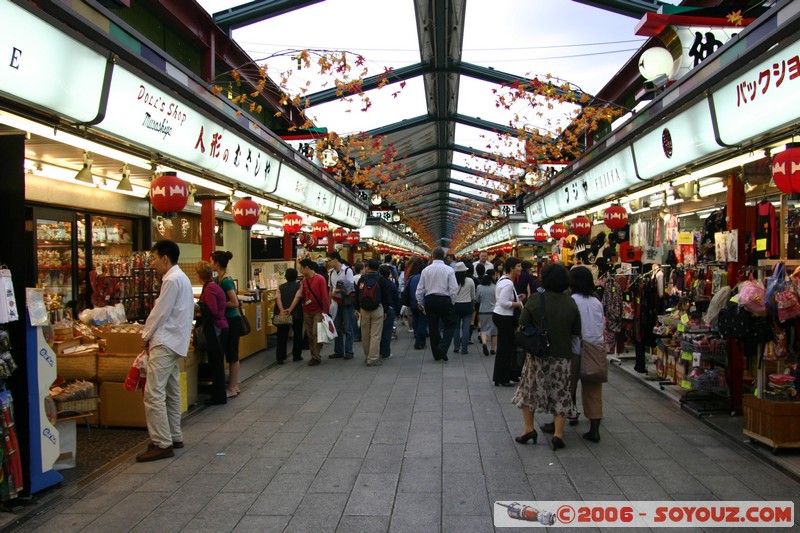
(438,309)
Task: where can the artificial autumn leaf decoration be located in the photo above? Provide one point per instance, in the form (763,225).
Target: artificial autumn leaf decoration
(735,18)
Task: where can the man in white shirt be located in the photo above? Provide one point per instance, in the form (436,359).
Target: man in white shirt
(436,295)
(166,339)
(343,292)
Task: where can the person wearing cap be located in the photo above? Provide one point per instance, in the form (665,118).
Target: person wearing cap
(342,291)
(435,295)
(464,306)
(313,296)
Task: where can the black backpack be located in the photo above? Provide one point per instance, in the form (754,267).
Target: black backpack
(369,292)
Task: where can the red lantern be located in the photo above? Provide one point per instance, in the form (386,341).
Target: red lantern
(245,212)
(307,240)
(615,217)
(169,193)
(353,238)
(540,235)
(339,235)
(558,231)
(786,169)
(292,222)
(319,229)
(508,248)
(581,226)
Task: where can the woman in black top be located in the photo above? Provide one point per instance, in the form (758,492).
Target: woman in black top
(544,384)
(286,294)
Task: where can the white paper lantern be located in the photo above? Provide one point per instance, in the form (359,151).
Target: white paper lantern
(655,62)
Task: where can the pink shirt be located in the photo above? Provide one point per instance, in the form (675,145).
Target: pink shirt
(214,297)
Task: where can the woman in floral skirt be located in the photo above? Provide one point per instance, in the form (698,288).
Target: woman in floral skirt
(544,384)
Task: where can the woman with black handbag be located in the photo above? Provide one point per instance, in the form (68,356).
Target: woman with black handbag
(230,341)
(211,324)
(544,383)
(285,321)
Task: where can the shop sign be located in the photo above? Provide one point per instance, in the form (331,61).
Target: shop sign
(45,67)
(683,139)
(383,214)
(535,212)
(295,187)
(697,43)
(348,214)
(761,99)
(610,176)
(522,230)
(183,229)
(143,113)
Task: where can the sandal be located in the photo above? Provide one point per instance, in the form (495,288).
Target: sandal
(234,395)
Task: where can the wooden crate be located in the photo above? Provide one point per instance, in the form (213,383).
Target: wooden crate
(773,423)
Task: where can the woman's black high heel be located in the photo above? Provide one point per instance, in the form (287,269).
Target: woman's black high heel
(557,443)
(532,435)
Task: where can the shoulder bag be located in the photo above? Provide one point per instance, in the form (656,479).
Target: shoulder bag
(532,338)
(246,328)
(594,363)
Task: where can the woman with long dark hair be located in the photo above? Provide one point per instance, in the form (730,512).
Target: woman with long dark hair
(464,306)
(544,383)
(230,342)
(212,320)
(506,303)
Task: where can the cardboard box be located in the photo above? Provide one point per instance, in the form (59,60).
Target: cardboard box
(60,346)
(120,407)
(130,343)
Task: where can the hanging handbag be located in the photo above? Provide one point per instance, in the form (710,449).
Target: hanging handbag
(532,338)
(200,340)
(752,295)
(594,363)
(246,328)
(788,303)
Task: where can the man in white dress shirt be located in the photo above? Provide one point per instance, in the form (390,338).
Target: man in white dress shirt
(166,339)
(436,294)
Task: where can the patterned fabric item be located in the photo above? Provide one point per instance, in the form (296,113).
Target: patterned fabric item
(612,304)
(544,386)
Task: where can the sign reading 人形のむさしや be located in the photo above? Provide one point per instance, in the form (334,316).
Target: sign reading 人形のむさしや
(156,119)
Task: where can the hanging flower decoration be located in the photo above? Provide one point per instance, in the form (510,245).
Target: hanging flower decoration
(246,212)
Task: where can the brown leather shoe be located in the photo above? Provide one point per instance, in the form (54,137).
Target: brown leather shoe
(154,453)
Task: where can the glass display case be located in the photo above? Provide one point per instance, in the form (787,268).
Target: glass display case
(88,260)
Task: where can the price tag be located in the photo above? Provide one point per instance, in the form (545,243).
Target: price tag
(761,245)
(686,356)
(684,319)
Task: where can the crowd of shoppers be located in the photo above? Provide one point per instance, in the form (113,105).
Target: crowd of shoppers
(444,300)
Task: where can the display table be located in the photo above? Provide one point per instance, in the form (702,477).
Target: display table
(257,339)
(773,423)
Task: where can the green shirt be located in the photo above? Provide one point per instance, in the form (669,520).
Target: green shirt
(563,320)
(227,284)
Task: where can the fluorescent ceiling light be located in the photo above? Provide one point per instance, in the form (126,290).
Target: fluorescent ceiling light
(54,172)
(197,180)
(67,138)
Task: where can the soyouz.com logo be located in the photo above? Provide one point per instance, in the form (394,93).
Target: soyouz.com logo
(727,514)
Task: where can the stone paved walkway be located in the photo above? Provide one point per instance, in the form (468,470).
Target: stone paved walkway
(414,445)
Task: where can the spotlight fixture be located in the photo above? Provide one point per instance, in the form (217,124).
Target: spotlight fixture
(125,182)
(85,174)
(228,206)
(696,196)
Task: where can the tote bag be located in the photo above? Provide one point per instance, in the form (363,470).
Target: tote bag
(594,363)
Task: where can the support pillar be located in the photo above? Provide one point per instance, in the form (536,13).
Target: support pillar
(736,220)
(287,245)
(208,221)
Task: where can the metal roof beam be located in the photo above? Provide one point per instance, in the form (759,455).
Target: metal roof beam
(475,122)
(504,78)
(630,8)
(256,11)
